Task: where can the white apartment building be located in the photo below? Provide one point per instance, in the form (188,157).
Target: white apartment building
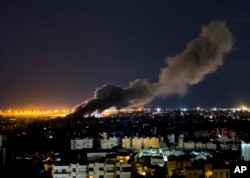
(114,141)
(157,160)
(171,138)
(109,143)
(105,144)
(189,145)
(211,146)
(78,144)
(92,170)
(195,145)
(245,150)
(200,145)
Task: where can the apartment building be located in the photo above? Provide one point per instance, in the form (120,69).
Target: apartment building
(78,144)
(92,170)
(140,142)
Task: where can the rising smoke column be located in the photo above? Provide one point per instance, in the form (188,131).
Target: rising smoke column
(138,93)
(203,55)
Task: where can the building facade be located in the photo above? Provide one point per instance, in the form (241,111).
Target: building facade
(78,144)
(245,150)
(92,170)
(140,142)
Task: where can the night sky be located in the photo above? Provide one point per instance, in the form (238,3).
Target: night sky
(55,53)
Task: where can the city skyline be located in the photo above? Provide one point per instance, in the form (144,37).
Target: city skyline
(56,54)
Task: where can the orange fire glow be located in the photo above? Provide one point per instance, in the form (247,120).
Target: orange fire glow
(36,112)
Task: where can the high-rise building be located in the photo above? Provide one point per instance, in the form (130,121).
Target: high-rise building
(245,150)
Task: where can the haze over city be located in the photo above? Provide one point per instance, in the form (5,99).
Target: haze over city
(55,54)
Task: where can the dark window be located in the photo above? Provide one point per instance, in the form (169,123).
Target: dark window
(126,169)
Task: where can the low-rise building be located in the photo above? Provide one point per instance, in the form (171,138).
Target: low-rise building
(78,144)
(192,173)
(157,160)
(211,146)
(140,142)
(92,170)
(189,145)
(220,173)
(108,143)
(103,166)
(126,142)
(177,164)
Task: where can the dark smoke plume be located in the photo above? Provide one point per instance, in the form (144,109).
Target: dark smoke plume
(203,55)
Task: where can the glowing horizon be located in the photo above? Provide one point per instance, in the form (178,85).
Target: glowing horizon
(56,112)
(63,111)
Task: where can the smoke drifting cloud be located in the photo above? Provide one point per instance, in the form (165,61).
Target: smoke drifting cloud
(202,56)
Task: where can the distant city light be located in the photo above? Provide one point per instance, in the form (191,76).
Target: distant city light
(158,109)
(184,109)
(214,109)
(53,113)
(140,109)
(244,108)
